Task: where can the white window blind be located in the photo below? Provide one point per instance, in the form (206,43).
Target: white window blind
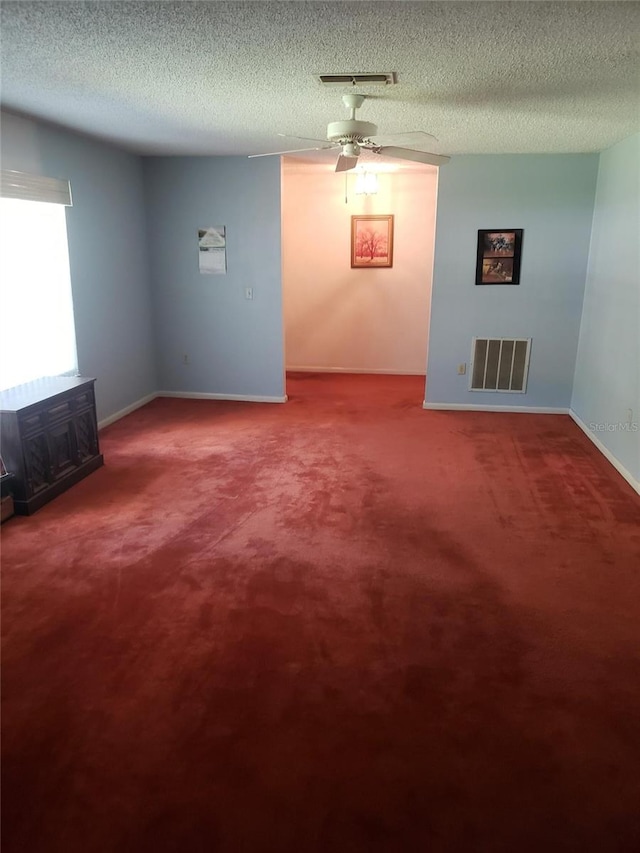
(37,331)
(28,187)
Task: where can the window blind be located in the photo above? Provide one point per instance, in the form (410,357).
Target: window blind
(26,187)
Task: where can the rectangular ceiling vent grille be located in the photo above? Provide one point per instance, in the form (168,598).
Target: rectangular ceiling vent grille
(385,78)
(500,364)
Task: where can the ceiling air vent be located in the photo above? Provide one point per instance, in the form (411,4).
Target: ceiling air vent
(382,79)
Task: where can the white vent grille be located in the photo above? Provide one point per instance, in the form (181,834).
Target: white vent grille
(382,78)
(500,364)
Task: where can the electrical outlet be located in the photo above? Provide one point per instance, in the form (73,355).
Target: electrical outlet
(185,359)
(248,293)
(462,369)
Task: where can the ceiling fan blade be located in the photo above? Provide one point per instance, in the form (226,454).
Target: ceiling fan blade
(418,140)
(290,151)
(345,164)
(410,154)
(323,142)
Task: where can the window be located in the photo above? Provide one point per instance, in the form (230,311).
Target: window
(37,332)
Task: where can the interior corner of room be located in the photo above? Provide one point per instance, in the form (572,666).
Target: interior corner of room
(148,323)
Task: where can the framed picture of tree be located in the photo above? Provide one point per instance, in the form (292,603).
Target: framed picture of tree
(371,241)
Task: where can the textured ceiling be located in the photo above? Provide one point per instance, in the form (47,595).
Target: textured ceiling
(225,78)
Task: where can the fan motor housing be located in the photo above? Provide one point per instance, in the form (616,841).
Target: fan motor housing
(350,130)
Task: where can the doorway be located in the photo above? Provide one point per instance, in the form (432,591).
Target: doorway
(339,319)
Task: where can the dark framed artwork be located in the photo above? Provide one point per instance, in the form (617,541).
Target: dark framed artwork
(498,259)
(372,241)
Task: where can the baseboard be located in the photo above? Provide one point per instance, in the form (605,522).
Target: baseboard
(608,455)
(383,371)
(126,411)
(242,398)
(470,407)
(543,410)
(191,395)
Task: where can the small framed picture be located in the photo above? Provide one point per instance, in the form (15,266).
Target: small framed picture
(212,250)
(498,258)
(372,241)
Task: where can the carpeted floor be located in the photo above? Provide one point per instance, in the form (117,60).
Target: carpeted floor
(343,624)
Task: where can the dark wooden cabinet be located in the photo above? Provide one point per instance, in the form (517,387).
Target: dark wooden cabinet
(49,437)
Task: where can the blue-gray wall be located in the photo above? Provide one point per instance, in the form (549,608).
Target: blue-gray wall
(107,254)
(607,377)
(234,345)
(551,198)
(141,304)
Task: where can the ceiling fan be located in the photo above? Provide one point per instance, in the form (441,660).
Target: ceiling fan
(353,136)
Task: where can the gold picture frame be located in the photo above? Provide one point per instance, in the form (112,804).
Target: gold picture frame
(372,242)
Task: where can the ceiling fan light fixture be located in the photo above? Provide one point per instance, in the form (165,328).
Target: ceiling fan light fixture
(351,149)
(366,183)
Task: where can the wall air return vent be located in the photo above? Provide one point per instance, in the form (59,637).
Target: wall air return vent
(384,78)
(500,364)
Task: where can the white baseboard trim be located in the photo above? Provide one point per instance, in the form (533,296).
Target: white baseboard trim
(608,455)
(469,407)
(242,398)
(291,369)
(126,411)
(191,395)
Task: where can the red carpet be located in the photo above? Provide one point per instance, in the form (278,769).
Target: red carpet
(343,624)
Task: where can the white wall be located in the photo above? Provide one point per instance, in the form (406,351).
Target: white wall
(338,318)
(607,376)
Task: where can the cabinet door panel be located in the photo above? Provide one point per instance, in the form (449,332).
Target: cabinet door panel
(36,459)
(86,435)
(62,449)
